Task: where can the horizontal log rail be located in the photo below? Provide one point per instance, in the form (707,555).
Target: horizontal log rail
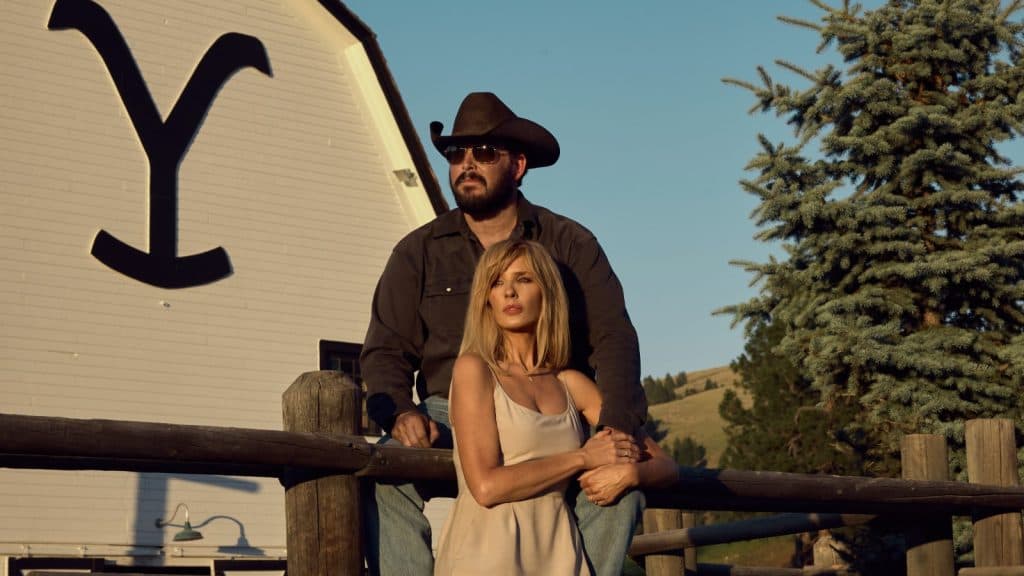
(704,569)
(730,570)
(44,442)
(750,529)
(722,489)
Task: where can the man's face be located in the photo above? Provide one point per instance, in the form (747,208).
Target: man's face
(483,177)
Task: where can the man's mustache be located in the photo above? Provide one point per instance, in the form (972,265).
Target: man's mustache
(470,175)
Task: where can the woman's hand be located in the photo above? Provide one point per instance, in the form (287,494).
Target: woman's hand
(654,468)
(604,485)
(609,447)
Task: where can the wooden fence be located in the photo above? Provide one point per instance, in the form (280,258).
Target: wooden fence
(319,458)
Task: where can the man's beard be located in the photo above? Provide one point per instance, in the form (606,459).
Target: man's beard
(493,199)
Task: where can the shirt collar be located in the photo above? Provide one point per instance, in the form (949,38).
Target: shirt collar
(529,223)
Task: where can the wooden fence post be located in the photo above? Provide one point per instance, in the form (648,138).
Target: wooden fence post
(992,459)
(324,525)
(930,541)
(690,553)
(659,520)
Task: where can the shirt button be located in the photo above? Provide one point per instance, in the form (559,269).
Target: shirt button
(447,289)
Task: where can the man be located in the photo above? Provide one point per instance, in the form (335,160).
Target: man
(420,305)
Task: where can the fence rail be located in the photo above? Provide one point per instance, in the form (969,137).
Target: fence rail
(45,442)
(69,443)
(754,529)
(320,455)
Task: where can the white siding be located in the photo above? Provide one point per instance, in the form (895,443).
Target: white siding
(292,174)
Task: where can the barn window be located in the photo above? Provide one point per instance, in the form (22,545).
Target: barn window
(344,357)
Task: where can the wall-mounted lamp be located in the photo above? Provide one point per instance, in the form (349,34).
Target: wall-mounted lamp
(187,533)
(242,546)
(407,177)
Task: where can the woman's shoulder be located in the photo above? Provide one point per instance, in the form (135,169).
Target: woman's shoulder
(470,361)
(470,370)
(570,376)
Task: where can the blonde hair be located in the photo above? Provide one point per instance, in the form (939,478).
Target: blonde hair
(483,336)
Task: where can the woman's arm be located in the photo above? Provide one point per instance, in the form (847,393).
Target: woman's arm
(604,485)
(491,482)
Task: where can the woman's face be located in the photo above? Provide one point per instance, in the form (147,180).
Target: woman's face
(516,297)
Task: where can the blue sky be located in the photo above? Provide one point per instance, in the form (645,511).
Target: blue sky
(653,143)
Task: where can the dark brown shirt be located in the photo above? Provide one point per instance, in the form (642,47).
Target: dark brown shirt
(420,305)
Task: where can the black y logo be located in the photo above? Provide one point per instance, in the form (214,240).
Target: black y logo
(165,143)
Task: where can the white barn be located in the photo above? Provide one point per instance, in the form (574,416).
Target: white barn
(196,201)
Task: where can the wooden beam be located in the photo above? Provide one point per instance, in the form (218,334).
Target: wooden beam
(752,529)
(668,561)
(710,489)
(704,569)
(930,541)
(992,459)
(67,443)
(45,442)
(322,516)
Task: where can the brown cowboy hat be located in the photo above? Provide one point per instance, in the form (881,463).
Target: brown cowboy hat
(482,116)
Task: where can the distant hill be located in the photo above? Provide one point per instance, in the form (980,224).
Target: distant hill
(697,415)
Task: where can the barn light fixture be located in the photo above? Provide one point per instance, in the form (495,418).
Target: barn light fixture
(407,177)
(187,533)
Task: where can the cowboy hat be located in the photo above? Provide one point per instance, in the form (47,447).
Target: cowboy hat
(482,116)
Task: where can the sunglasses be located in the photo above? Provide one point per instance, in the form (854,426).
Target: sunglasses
(482,153)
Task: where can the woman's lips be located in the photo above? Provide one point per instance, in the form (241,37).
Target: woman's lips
(512,309)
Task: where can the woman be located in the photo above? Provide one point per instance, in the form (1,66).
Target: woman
(515,416)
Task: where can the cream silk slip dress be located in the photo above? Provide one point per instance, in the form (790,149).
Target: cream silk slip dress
(529,537)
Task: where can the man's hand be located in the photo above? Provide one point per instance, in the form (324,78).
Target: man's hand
(637,447)
(415,430)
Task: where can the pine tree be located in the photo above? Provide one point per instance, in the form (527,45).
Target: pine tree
(687,452)
(903,231)
(657,393)
(784,429)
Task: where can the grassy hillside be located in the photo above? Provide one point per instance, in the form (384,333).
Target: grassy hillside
(723,376)
(697,415)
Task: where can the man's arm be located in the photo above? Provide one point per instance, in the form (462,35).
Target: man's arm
(615,351)
(394,340)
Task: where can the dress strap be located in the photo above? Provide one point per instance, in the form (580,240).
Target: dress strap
(565,388)
(494,376)
(574,413)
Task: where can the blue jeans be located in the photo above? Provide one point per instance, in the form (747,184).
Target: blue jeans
(398,535)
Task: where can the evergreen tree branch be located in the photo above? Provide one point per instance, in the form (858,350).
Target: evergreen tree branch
(800,22)
(1009,11)
(798,70)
